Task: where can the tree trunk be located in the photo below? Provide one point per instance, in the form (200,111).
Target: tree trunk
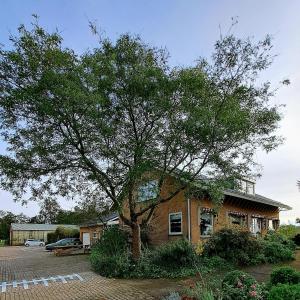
(136,241)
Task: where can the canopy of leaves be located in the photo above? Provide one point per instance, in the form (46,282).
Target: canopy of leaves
(92,125)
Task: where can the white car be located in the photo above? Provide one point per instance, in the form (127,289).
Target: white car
(32,242)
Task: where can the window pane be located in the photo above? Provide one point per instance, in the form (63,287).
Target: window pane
(175,223)
(206,224)
(148,190)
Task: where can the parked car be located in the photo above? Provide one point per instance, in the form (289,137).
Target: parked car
(33,242)
(64,242)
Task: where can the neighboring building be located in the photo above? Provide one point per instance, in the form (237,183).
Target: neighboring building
(91,231)
(20,232)
(195,218)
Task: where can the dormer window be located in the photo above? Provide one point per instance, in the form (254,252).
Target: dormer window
(247,187)
(148,191)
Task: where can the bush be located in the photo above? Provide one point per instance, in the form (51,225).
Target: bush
(296,239)
(276,237)
(112,241)
(275,252)
(115,265)
(285,292)
(285,275)
(235,246)
(234,277)
(289,231)
(179,253)
(110,255)
(238,285)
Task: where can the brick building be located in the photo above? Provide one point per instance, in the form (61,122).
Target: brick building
(196,218)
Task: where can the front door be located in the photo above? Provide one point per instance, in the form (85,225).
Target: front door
(86,239)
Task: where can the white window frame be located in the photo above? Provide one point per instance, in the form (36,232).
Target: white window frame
(212,222)
(175,213)
(95,235)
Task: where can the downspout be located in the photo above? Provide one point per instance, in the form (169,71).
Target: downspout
(189,217)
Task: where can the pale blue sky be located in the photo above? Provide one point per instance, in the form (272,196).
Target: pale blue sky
(188,29)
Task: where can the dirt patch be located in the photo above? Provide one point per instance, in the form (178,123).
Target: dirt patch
(262,272)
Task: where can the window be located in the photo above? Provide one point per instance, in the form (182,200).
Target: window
(235,219)
(175,223)
(148,191)
(256,226)
(95,235)
(206,223)
(270,227)
(250,188)
(247,187)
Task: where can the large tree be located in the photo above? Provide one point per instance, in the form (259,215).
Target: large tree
(94,124)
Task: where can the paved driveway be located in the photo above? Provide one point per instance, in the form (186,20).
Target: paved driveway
(20,263)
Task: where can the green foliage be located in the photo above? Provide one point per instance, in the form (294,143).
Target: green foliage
(285,292)
(285,275)
(276,252)
(61,233)
(180,251)
(6,218)
(238,285)
(110,256)
(234,277)
(114,265)
(296,239)
(112,241)
(277,237)
(234,245)
(63,114)
(288,231)
(240,247)
(199,292)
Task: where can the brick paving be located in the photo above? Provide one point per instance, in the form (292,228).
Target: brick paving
(18,263)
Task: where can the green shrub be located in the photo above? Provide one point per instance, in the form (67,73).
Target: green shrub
(275,252)
(296,239)
(238,285)
(285,275)
(276,237)
(235,246)
(112,241)
(289,231)
(285,292)
(110,255)
(234,277)
(116,265)
(179,253)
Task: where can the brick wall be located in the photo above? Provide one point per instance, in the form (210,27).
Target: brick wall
(160,220)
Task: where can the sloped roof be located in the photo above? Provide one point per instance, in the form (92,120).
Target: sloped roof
(40,227)
(101,220)
(257,198)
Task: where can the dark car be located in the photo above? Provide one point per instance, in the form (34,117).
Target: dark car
(64,242)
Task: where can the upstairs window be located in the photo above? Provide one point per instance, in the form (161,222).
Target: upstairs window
(148,191)
(175,223)
(247,187)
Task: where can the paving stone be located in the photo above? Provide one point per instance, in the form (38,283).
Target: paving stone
(20,263)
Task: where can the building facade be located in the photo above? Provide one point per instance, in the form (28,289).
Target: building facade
(91,232)
(20,232)
(196,218)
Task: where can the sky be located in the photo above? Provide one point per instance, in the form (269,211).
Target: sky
(188,29)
